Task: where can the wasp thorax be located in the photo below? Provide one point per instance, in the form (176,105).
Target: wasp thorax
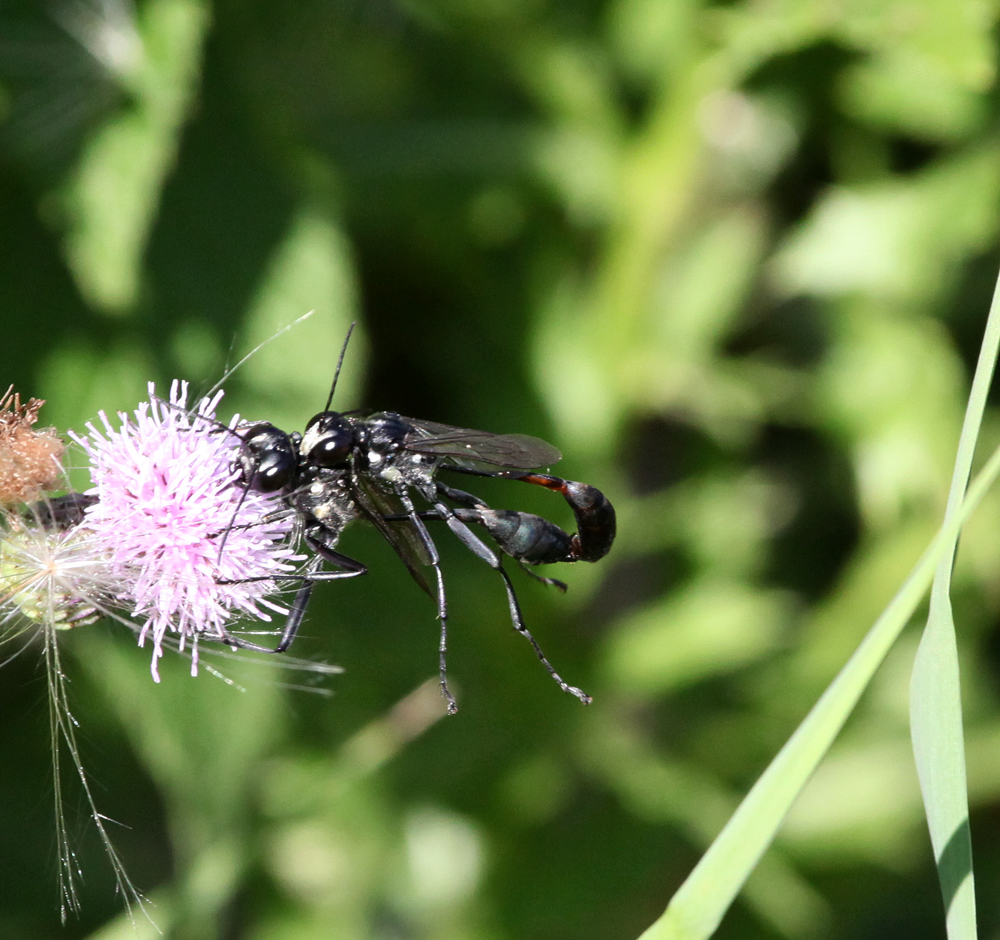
(328,440)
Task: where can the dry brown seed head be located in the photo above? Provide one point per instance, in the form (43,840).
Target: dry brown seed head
(30,460)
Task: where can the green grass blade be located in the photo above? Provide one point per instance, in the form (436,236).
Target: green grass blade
(939,749)
(700,903)
(935,689)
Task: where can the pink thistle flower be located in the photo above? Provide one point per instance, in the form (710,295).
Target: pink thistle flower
(168,494)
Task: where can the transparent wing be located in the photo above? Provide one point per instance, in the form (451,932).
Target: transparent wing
(377,504)
(464,445)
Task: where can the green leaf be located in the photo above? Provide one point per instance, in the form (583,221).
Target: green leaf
(935,691)
(114,194)
(700,903)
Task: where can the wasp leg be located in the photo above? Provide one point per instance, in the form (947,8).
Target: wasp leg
(595,516)
(455,519)
(323,552)
(474,502)
(276,516)
(560,586)
(527,538)
(460,496)
(351,569)
(442,599)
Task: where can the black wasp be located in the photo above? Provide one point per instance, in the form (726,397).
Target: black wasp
(349,466)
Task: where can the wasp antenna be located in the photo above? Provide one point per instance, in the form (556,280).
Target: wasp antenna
(228,373)
(340,363)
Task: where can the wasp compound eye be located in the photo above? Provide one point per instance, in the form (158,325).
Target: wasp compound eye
(328,441)
(267,459)
(274,472)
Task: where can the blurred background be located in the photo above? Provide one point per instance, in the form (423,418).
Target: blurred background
(733,258)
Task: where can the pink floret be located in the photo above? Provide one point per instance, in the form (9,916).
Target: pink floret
(167,492)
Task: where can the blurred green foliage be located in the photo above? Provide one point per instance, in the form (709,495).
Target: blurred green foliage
(733,258)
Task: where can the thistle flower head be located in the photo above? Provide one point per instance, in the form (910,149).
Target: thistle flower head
(167,535)
(167,497)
